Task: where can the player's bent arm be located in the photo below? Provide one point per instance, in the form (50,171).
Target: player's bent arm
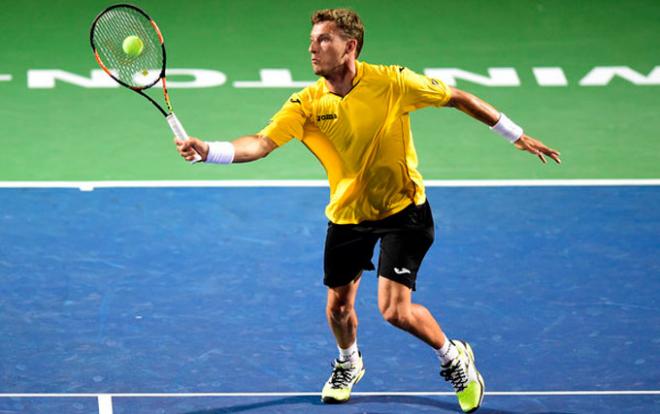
(473,106)
(243,149)
(252,147)
(486,113)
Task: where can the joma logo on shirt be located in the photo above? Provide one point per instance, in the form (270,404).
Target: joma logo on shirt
(326,117)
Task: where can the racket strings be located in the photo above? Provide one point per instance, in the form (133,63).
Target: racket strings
(109,33)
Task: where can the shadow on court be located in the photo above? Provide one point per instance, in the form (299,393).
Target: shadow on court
(449,406)
(304,400)
(357,404)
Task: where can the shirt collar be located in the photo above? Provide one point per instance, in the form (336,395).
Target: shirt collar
(359,70)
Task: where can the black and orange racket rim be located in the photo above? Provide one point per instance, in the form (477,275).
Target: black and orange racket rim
(93,40)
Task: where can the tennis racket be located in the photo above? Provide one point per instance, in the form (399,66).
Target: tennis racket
(129,46)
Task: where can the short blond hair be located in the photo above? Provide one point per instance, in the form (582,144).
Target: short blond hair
(347,20)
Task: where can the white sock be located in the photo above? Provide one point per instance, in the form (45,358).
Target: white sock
(447,353)
(349,354)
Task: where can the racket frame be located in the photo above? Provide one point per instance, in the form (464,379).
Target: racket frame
(171,118)
(161,75)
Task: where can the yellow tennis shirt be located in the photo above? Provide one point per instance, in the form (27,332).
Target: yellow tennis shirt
(364,139)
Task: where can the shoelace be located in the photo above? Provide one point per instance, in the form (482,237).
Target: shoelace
(456,374)
(341,375)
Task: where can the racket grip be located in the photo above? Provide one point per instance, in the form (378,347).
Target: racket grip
(180,133)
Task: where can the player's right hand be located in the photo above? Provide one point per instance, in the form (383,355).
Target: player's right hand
(190,147)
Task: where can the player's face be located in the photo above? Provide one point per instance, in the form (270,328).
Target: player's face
(328,49)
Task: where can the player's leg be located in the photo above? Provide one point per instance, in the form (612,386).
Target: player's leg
(347,253)
(457,357)
(395,304)
(402,251)
(408,236)
(341,315)
(348,368)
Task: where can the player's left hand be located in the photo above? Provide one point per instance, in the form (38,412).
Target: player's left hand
(536,147)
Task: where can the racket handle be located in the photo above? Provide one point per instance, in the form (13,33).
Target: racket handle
(180,133)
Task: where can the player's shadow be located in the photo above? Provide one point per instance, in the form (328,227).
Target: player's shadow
(443,406)
(450,405)
(239,408)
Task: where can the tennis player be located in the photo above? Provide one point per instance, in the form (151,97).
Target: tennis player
(356,121)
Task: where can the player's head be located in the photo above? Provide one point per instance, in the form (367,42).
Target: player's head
(337,37)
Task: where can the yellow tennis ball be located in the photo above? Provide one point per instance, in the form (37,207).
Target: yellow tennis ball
(133,46)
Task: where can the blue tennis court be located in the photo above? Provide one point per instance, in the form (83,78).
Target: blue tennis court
(210,300)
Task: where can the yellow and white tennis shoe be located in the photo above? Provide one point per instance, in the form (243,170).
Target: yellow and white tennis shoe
(463,375)
(344,376)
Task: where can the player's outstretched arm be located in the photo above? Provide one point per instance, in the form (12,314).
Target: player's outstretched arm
(484,112)
(244,149)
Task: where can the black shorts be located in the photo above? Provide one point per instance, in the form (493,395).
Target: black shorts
(405,237)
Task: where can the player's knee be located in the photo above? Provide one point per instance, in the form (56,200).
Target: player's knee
(340,311)
(395,315)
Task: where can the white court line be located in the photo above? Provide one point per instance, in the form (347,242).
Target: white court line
(91,185)
(105,404)
(107,397)
(105,400)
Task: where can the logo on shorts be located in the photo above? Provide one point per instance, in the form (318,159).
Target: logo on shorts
(402,271)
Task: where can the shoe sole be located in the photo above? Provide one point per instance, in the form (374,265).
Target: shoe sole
(330,400)
(468,349)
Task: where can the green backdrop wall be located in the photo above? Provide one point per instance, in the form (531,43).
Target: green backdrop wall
(71,132)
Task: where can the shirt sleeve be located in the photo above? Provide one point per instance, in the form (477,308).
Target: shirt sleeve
(287,123)
(419,91)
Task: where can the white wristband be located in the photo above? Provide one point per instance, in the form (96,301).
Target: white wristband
(507,128)
(220,152)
